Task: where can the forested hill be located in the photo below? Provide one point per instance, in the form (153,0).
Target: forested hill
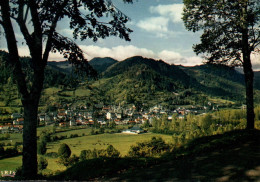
(218,80)
(143,81)
(149,70)
(56,73)
(101,64)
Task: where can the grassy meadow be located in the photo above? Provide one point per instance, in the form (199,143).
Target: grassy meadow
(122,142)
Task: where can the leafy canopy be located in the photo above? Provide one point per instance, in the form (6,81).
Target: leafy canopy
(223,24)
(93,19)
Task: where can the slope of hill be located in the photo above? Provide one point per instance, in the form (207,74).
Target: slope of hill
(140,80)
(62,66)
(101,64)
(219,80)
(147,82)
(232,156)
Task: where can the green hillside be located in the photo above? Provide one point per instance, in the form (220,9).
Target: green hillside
(101,64)
(140,81)
(219,80)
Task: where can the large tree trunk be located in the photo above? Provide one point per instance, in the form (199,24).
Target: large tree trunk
(30,138)
(249,81)
(248,71)
(31,104)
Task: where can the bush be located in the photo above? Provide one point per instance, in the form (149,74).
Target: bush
(64,151)
(2,151)
(73,160)
(74,135)
(86,154)
(42,163)
(110,152)
(52,155)
(41,147)
(154,147)
(10,152)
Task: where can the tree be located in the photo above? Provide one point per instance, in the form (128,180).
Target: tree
(64,151)
(231,33)
(42,163)
(41,147)
(37,21)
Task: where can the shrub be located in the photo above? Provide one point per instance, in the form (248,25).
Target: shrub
(64,151)
(154,147)
(42,163)
(86,154)
(52,155)
(74,135)
(10,152)
(2,151)
(112,152)
(41,148)
(73,160)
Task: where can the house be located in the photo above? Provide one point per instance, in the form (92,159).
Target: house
(101,121)
(16,115)
(131,122)
(61,113)
(134,130)
(42,117)
(18,121)
(119,115)
(110,115)
(73,122)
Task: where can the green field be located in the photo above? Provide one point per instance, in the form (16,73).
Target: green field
(121,142)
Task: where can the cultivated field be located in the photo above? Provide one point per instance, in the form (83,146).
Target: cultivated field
(121,142)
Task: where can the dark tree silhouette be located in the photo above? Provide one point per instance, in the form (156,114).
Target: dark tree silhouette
(231,33)
(37,21)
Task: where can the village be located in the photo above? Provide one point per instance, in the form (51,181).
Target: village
(102,115)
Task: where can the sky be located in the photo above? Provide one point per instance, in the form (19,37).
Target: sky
(158,32)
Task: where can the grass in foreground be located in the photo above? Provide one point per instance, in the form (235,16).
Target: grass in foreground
(233,156)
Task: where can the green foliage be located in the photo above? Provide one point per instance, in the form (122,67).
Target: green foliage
(206,121)
(41,147)
(2,150)
(193,126)
(42,163)
(64,151)
(8,152)
(112,152)
(222,40)
(52,154)
(109,152)
(152,148)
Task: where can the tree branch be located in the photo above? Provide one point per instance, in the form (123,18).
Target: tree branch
(12,48)
(51,31)
(21,21)
(36,46)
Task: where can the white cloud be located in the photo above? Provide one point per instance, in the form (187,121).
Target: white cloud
(176,58)
(118,52)
(172,11)
(24,51)
(160,23)
(169,55)
(123,52)
(255,58)
(157,25)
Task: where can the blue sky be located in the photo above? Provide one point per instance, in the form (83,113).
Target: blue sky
(158,32)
